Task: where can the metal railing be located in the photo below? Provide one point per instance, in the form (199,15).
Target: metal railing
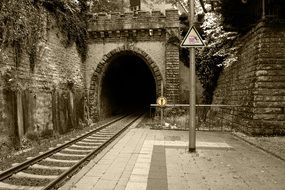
(176,116)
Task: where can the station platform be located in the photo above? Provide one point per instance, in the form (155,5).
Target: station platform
(144,159)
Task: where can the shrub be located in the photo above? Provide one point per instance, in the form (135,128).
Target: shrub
(47,133)
(32,136)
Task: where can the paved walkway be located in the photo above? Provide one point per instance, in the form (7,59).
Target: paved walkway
(147,159)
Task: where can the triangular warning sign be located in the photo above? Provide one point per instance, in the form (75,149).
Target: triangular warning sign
(192,39)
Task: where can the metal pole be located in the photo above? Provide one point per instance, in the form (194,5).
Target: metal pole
(161,108)
(192,97)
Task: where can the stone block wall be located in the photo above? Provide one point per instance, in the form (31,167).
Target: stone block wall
(148,31)
(172,72)
(130,21)
(172,67)
(256,83)
(57,68)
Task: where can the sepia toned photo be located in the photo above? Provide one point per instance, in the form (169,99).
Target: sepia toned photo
(142,94)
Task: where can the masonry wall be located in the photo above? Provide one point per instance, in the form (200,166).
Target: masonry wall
(256,83)
(155,49)
(148,34)
(33,100)
(172,70)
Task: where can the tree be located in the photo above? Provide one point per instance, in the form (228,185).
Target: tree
(21,26)
(241,16)
(218,53)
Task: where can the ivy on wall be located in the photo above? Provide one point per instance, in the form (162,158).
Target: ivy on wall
(22,25)
(71,19)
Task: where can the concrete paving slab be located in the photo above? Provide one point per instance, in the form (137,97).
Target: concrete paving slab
(121,184)
(86,183)
(151,160)
(136,186)
(103,184)
(138,178)
(140,171)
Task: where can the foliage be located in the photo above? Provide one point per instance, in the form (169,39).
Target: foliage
(184,27)
(240,15)
(208,71)
(32,136)
(22,25)
(218,53)
(10,78)
(106,5)
(72,21)
(47,133)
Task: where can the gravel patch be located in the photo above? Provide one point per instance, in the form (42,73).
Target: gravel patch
(87,149)
(47,163)
(72,152)
(43,171)
(26,181)
(66,157)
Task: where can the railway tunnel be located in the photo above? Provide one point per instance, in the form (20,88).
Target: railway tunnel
(128,85)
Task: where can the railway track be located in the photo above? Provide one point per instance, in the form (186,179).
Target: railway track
(50,169)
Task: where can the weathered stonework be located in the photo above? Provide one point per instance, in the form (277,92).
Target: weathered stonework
(95,86)
(172,69)
(145,35)
(256,83)
(28,106)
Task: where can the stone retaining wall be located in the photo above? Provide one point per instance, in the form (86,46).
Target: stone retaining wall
(28,106)
(256,83)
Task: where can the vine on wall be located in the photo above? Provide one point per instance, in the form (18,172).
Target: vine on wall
(71,19)
(22,25)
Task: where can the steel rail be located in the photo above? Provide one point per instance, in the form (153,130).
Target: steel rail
(7,173)
(74,168)
(197,105)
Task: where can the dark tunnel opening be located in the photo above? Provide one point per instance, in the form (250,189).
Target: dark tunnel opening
(128,85)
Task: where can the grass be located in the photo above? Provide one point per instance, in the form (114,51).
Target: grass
(181,122)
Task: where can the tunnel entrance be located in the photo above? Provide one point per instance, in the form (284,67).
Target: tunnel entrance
(128,85)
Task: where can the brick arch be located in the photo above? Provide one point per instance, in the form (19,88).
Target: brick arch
(95,85)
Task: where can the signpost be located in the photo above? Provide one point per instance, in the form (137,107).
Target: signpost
(192,40)
(161,101)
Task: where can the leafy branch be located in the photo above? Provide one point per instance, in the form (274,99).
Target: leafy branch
(218,53)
